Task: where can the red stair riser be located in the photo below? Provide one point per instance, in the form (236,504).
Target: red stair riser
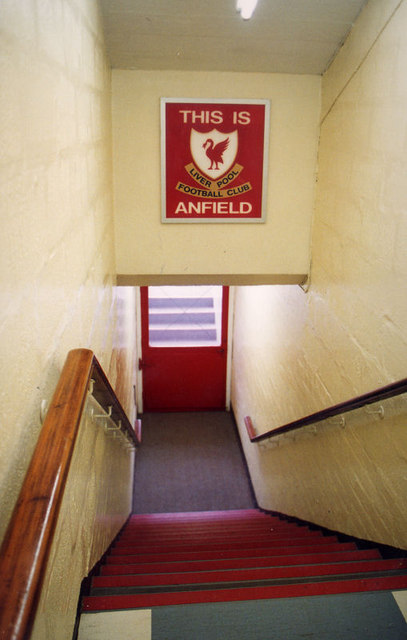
(191,537)
(202,530)
(158,520)
(219,528)
(219,546)
(219,523)
(228,553)
(110,603)
(248,574)
(239,563)
(209,543)
(175,526)
(208,535)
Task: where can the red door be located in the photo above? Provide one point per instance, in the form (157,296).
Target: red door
(184,347)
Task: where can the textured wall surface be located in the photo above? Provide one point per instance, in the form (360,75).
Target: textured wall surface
(123,368)
(96,503)
(297,353)
(276,248)
(57,257)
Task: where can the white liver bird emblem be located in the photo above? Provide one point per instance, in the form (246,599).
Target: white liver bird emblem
(217,147)
(215,152)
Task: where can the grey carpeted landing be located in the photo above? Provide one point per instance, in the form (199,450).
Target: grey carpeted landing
(190,462)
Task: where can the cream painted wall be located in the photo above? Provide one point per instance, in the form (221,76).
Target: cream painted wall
(277,250)
(95,505)
(122,372)
(57,259)
(298,352)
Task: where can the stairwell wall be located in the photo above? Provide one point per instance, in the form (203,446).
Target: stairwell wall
(57,258)
(96,501)
(274,251)
(295,352)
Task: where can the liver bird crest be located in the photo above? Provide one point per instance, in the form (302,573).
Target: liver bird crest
(215,152)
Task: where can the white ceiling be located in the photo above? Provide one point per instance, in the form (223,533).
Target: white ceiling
(284,36)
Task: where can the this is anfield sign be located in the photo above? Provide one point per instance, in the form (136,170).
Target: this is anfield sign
(214,160)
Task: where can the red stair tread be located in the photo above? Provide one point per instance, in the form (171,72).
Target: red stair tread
(104,603)
(221,523)
(219,546)
(229,553)
(138,538)
(168,521)
(217,535)
(216,525)
(204,521)
(204,516)
(183,530)
(237,563)
(249,574)
(209,539)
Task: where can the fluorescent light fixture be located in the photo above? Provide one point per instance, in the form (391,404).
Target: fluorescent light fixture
(246,8)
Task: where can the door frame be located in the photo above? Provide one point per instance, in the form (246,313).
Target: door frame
(139,373)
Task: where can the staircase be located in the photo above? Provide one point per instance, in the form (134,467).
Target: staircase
(225,556)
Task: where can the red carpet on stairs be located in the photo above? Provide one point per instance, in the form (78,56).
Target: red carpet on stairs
(226,556)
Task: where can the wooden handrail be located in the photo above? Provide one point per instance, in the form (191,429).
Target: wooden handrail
(382,393)
(25,549)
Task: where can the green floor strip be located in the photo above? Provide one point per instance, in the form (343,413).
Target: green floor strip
(362,616)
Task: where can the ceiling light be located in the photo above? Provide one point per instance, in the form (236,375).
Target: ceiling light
(246,8)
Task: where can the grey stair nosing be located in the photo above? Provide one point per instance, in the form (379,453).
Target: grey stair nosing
(208,586)
(155,566)
(126,550)
(210,554)
(249,568)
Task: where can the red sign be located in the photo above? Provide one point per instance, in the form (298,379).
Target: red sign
(214,160)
